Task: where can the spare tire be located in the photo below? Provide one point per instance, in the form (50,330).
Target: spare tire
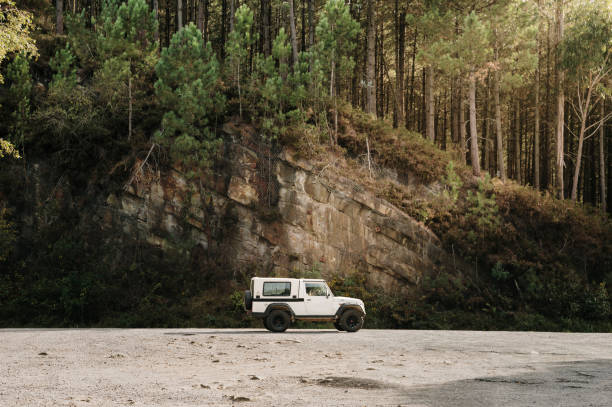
(248,300)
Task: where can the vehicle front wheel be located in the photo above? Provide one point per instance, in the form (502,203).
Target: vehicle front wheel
(351,321)
(278,321)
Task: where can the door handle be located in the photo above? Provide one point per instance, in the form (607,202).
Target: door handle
(308,299)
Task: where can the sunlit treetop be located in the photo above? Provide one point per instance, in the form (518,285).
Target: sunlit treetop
(15,28)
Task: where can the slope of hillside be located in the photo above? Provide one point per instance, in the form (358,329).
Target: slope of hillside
(424,243)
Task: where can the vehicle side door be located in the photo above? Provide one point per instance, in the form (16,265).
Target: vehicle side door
(298,304)
(318,299)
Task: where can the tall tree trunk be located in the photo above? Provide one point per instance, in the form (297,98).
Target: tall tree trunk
(485,128)
(536,130)
(130,106)
(410,116)
(167,23)
(401,47)
(205,24)
(223,27)
(156,11)
(560,104)
(517,140)
(371,60)
(303,34)
(179,14)
(548,125)
(200,22)
(498,130)
(473,131)
(265,23)
(444,123)
(59,17)
(311,26)
(294,46)
(583,119)
(332,92)
(462,129)
(454,111)
(232,13)
(602,160)
(380,99)
(429,104)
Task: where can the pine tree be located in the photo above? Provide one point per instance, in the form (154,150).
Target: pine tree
(336,34)
(126,43)
(437,27)
(587,59)
(513,32)
(18,99)
(281,91)
(63,63)
(187,89)
(237,47)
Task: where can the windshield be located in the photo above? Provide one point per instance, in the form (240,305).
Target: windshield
(317,289)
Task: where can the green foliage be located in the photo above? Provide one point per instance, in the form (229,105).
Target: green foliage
(126,46)
(8,149)
(336,33)
(453,183)
(498,273)
(15,31)
(280,91)
(404,151)
(69,123)
(18,98)
(64,66)
(483,207)
(187,90)
(597,303)
(513,28)
(587,43)
(8,235)
(83,42)
(237,46)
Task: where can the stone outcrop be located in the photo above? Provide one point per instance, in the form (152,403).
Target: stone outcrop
(274,212)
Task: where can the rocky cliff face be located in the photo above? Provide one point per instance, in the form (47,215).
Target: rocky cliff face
(277,213)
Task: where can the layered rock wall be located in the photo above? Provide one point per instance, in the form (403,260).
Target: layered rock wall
(290,219)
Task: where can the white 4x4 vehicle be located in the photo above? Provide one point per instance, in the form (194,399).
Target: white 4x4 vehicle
(281,301)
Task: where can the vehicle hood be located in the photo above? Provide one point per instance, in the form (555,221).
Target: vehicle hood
(349,300)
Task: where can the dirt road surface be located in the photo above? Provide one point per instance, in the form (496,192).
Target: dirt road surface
(249,367)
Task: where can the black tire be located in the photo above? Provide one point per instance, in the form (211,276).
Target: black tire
(278,321)
(337,326)
(351,321)
(248,300)
(265,324)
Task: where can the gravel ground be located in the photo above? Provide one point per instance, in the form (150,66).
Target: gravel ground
(249,367)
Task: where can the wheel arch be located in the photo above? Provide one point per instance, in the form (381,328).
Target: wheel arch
(280,306)
(346,307)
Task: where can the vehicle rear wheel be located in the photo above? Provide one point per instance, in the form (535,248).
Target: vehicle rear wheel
(265,324)
(351,321)
(278,321)
(337,326)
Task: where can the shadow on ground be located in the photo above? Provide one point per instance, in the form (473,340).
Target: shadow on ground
(576,383)
(262,332)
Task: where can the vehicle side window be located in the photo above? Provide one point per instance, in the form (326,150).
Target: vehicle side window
(316,289)
(276,289)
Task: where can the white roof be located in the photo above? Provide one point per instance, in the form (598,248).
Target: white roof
(286,279)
